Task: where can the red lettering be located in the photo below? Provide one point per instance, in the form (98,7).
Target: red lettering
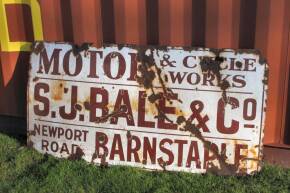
(193,148)
(77,135)
(45,101)
(185,62)
(192,81)
(239,81)
(168,152)
(123,99)
(238,155)
(52,131)
(221,117)
(248,65)
(117,148)
(43,59)
(133,70)
(102,105)
(149,150)
(233,65)
(67,64)
(54,146)
(44,130)
(161,122)
(44,145)
(208,78)
(73,112)
(180,151)
(131,150)
(101,142)
(176,76)
(252,115)
(60,132)
(108,67)
(209,157)
(64,148)
(141,111)
(93,63)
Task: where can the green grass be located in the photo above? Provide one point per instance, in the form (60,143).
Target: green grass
(25,170)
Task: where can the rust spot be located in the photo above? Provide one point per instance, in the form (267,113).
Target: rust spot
(247,51)
(37,48)
(162,164)
(101,138)
(179,112)
(78,107)
(266,75)
(209,64)
(224,85)
(212,66)
(134,104)
(129,135)
(103,119)
(76,49)
(102,157)
(77,155)
(121,46)
(251,159)
(40,67)
(161,115)
(265,109)
(35,79)
(30,143)
(254,152)
(146,78)
(262,60)
(104,163)
(65,90)
(87,105)
(239,64)
(265,81)
(144,161)
(161,48)
(154,97)
(31,132)
(180,120)
(57,90)
(166,78)
(94,156)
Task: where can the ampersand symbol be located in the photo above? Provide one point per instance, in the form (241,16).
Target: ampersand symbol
(166,62)
(196,108)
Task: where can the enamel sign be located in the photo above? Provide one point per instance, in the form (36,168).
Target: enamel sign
(162,108)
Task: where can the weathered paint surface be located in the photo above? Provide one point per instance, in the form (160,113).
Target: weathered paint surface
(166,108)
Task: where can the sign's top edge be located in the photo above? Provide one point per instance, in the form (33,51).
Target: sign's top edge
(165,48)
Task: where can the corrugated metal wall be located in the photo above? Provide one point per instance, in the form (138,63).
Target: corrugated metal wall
(261,24)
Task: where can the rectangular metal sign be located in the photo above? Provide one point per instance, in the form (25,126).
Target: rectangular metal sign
(163,108)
